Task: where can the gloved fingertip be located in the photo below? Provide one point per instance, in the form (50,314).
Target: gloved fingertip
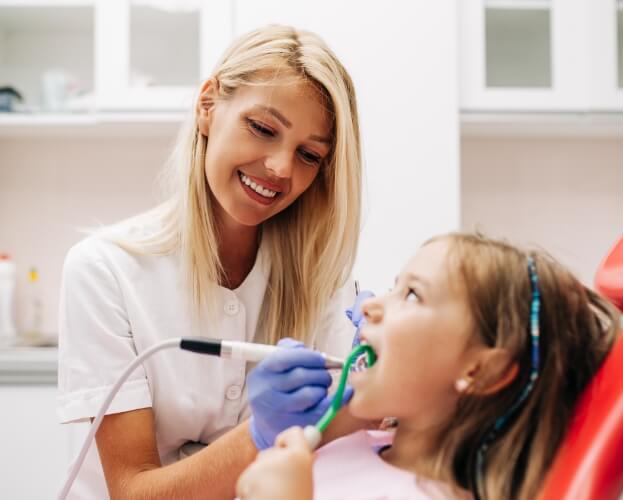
(259,442)
(349,313)
(348,394)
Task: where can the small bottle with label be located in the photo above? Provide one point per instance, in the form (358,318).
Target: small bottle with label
(7,293)
(33,320)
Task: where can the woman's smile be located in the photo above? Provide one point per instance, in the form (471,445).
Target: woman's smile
(258,190)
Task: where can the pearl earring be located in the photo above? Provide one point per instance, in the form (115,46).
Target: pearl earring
(461,385)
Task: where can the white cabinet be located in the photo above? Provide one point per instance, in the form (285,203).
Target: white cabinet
(541,55)
(110,55)
(46,53)
(34,455)
(152,55)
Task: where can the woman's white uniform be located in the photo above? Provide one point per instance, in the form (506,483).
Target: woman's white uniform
(115,304)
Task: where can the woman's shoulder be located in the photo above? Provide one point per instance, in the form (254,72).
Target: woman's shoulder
(94,248)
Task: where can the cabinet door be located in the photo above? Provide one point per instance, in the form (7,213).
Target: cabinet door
(34,454)
(152,56)
(606,29)
(521,55)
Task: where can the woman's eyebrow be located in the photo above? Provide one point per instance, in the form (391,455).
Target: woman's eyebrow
(272,111)
(288,124)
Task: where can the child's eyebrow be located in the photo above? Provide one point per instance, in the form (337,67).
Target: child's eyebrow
(411,277)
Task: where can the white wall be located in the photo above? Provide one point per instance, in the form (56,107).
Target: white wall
(50,188)
(563,194)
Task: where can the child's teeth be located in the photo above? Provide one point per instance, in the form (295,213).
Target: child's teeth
(361,363)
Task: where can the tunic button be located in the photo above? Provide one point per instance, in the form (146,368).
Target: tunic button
(231,307)
(233,392)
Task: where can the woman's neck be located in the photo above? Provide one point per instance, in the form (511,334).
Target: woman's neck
(237,248)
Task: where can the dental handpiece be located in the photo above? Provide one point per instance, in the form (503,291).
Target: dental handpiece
(246,351)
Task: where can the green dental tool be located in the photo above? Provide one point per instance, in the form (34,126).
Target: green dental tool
(313,433)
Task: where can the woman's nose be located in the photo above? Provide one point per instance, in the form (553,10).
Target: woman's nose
(280,164)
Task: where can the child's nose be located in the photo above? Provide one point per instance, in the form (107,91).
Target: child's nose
(372,310)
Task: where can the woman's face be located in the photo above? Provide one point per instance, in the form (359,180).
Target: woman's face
(265,147)
(420,332)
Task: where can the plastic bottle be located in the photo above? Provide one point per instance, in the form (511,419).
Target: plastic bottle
(34,306)
(7,293)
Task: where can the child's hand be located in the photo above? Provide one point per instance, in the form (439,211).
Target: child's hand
(283,472)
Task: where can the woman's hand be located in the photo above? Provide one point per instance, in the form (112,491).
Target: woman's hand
(288,388)
(280,473)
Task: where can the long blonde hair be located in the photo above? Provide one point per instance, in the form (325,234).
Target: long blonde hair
(312,244)
(577,329)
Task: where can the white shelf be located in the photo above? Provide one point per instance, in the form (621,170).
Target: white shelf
(541,124)
(473,124)
(90,124)
(28,365)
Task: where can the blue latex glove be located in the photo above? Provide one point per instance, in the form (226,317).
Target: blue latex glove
(355,314)
(288,388)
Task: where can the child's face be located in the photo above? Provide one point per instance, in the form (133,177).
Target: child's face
(421,334)
(274,136)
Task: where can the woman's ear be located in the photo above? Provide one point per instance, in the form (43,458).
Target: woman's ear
(488,372)
(205,105)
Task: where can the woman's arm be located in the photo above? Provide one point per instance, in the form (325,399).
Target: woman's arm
(127,447)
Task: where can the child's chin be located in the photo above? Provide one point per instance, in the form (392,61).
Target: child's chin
(359,407)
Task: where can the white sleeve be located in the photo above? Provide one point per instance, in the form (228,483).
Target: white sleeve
(335,332)
(95,339)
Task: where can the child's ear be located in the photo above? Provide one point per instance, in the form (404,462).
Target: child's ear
(488,372)
(205,105)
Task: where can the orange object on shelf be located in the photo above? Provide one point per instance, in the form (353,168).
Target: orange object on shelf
(609,276)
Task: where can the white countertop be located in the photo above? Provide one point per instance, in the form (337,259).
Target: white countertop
(28,365)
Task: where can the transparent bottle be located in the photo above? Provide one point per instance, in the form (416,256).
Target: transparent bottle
(7,297)
(33,320)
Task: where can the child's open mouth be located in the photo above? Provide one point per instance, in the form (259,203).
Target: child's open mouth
(364,361)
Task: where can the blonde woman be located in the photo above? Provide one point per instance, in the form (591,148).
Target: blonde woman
(255,243)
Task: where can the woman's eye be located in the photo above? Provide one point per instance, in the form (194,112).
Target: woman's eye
(260,129)
(309,158)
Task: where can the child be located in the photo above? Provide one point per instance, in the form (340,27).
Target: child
(483,350)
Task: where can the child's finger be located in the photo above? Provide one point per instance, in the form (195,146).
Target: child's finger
(292,438)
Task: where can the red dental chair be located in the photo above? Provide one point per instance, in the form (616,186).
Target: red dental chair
(589,464)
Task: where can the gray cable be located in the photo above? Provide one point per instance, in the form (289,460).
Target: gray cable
(165,344)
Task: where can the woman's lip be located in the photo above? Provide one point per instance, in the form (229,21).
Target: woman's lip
(256,196)
(263,183)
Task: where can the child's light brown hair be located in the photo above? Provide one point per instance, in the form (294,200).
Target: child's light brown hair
(577,330)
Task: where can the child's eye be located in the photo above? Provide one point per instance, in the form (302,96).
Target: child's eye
(259,129)
(412,295)
(309,158)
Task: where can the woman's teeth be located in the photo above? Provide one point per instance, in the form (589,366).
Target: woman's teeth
(267,193)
